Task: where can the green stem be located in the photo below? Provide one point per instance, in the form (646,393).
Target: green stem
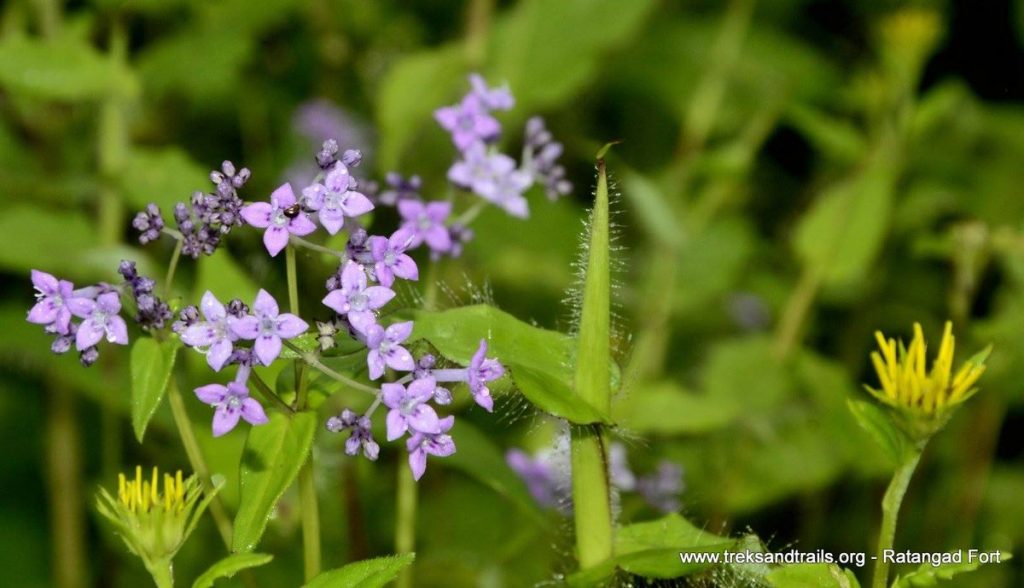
(405,520)
(312,361)
(591,498)
(293,282)
(269,394)
(890,510)
(315,247)
(162,573)
(172,267)
(196,461)
(798,306)
(307,483)
(67,518)
(310,520)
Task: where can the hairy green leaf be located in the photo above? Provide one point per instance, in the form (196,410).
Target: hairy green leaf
(152,362)
(369,573)
(229,566)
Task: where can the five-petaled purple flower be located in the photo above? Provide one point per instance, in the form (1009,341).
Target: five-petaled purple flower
(336,199)
(386,349)
(231,402)
(468,122)
(497,98)
(100,318)
(390,259)
(409,408)
(438,443)
(482,370)
(281,216)
(426,223)
(215,334)
(355,299)
(267,326)
(52,307)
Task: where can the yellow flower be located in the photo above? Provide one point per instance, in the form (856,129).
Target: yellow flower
(926,397)
(154,524)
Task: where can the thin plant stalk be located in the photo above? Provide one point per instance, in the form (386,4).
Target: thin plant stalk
(310,509)
(890,511)
(196,461)
(405,519)
(63,472)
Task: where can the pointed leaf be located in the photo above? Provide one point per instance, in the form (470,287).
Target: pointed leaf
(929,575)
(823,575)
(874,420)
(229,566)
(151,365)
(274,452)
(369,573)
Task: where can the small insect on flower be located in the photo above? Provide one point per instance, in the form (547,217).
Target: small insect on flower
(928,398)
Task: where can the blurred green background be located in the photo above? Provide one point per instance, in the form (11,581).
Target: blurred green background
(793,175)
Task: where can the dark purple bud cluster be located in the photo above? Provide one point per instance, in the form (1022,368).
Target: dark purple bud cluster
(149,223)
(186,318)
(327,157)
(206,218)
(542,153)
(152,312)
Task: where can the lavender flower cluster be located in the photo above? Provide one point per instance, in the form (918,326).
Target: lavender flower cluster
(237,334)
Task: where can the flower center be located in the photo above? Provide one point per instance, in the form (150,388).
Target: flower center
(424,222)
(233,402)
(278,218)
(268,325)
(359,302)
(389,258)
(408,406)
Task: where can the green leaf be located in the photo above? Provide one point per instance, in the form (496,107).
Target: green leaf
(369,573)
(653,209)
(842,233)
(273,454)
(929,575)
(663,408)
(222,275)
(163,176)
(481,459)
(63,69)
(652,549)
(410,92)
(167,66)
(37,238)
(834,136)
(541,50)
(539,360)
(151,364)
(821,575)
(874,420)
(306,342)
(229,566)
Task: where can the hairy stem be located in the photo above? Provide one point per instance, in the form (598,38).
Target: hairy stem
(196,461)
(299,241)
(312,361)
(269,394)
(890,511)
(405,520)
(162,573)
(591,498)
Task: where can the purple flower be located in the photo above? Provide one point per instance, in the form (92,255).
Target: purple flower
(214,334)
(540,158)
(335,199)
(280,217)
(426,223)
(231,402)
(149,223)
(409,409)
(51,308)
(390,258)
(619,472)
(662,488)
(538,475)
(498,98)
(482,370)
(494,177)
(400,188)
(267,327)
(468,122)
(386,349)
(360,436)
(355,300)
(438,443)
(101,319)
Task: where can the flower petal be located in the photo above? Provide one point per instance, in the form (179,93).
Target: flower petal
(89,334)
(117,330)
(80,307)
(301,225)
(257,214)
(247,327)
(265,304)
(356,204)
(396,425)
(375,363)
(405,267)
(224,419)
(211,393)
(378,296)
(219,353)
(418,463)
(267,348)
(400,359)
(283,196)
(399,332)
(252,411)
(336,301)
(275,239)
(353,278)
(424,420)
(212,309)
(43,312)
(422,389)
(199,335)
(392,394)
(289,325)
(45,282)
